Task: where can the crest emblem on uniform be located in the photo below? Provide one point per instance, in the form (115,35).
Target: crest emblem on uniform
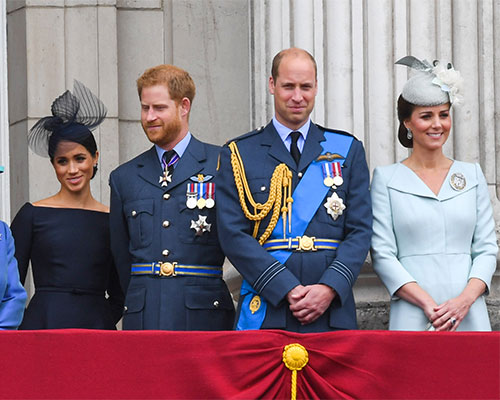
(334,206)
(255,304)
(201,225)
(457,181)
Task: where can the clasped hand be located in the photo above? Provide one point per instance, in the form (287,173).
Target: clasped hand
(308,303)
(448,315)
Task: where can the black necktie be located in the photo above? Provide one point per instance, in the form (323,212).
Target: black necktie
(294,149)
(169,161)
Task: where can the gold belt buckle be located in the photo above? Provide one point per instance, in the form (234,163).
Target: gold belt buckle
(167,268)
(306,243)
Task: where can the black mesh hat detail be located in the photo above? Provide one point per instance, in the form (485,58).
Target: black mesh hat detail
(74,116)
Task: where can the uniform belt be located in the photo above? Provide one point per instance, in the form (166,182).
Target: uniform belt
(174,269)
(301,243)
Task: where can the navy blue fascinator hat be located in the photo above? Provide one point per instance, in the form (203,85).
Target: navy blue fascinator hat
(74,116)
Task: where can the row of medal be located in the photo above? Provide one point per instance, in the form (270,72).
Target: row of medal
(332,177)
(332,174)
(201,195)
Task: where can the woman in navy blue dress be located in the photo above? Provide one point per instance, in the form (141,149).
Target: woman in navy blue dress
(66,236)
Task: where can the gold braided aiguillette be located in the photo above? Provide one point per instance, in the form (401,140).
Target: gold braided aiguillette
(279,200)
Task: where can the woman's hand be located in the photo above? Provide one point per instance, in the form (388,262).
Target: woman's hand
(413,293)
(448,315)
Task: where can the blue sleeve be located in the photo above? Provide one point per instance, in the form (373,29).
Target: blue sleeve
(351,253)
(13,293)
(384,249)
(119,234)
(484,247)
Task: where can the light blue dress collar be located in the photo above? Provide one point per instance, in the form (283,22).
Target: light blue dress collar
(405,180)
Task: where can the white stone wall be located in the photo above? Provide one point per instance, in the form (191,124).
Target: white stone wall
(227,46)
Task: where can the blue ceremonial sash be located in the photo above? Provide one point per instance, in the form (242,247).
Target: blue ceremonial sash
(307,197)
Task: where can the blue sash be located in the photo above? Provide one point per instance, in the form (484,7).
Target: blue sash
(307,198)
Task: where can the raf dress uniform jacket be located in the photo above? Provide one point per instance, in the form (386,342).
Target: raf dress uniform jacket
(151,224)
(12,293)
(440,241)
(261,151)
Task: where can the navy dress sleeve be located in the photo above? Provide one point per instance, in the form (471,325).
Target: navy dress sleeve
(22,231)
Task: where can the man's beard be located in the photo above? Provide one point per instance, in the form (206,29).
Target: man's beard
(169,132)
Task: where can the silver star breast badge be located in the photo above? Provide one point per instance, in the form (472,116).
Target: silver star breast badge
(334,206)
(201,225)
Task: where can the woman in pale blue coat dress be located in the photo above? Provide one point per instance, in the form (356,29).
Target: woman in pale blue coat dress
(12,293)
(434,243)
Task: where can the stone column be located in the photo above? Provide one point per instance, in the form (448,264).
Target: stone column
(4,122)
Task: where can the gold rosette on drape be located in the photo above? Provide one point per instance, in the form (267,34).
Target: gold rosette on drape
(295,357)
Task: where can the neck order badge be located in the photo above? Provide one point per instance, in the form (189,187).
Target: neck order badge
(169,159)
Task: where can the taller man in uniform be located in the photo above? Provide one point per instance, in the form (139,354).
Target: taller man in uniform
(163,224)
(296,217)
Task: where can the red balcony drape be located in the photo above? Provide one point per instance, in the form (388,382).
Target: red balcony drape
(248,365)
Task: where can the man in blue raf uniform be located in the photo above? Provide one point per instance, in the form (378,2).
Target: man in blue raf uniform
(296,220)
(163,223)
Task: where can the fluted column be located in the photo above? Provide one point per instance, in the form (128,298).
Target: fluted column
(4,121)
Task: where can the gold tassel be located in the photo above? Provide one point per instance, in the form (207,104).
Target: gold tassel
(295,357)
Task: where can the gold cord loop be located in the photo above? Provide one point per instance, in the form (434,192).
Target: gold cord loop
(279,200)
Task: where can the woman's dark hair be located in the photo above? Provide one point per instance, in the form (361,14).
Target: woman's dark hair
(405,109)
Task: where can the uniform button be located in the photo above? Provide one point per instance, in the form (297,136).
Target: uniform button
(165,252)
(125,308)
(300,174)
(166,196)
(134,213)
(216,303)
(166,224)
(262,188)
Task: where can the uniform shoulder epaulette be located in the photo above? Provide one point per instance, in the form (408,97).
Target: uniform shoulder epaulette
(336,131)
(246,135)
